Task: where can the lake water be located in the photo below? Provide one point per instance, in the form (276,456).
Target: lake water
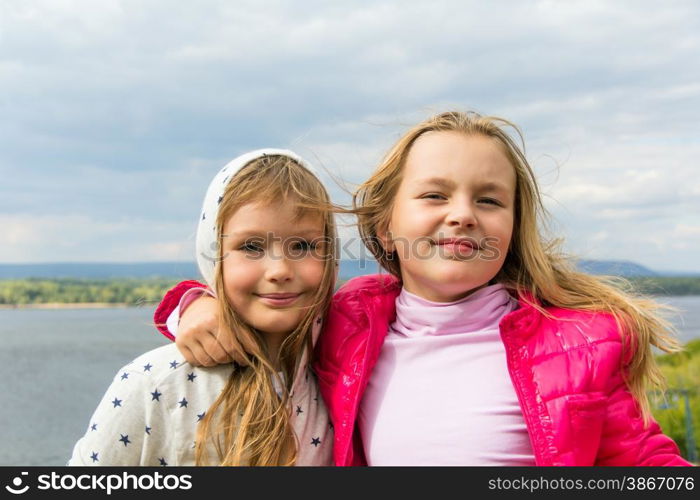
(56,364)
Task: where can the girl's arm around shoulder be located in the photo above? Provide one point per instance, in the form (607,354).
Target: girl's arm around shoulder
(170,302)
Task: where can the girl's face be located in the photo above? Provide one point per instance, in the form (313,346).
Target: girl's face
(271,272)
(452,218)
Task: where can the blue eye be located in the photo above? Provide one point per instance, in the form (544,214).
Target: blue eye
(304,245)
(251,247)
(490,201)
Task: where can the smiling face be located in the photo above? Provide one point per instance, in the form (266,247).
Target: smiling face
(452,217)
(272,266)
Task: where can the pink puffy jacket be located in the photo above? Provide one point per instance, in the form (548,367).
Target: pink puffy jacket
(567,373)
(566,370)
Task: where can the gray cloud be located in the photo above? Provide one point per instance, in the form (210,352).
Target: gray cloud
(121,111)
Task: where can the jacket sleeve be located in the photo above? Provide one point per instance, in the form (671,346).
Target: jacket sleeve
(626,441)
(169,303)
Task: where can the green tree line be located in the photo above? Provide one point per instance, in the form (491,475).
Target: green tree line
(667,285)
(136,291)
(111,291)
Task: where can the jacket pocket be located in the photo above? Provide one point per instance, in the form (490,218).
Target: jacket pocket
(587,416)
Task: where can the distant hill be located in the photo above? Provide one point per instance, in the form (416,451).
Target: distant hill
(188,270)
(623,268)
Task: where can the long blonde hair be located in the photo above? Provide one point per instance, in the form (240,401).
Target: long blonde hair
(534,266)
(249,423)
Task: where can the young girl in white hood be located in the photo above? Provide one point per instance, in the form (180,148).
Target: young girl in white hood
(266,246)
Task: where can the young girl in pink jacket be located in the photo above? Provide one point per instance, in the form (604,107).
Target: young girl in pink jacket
(483,345)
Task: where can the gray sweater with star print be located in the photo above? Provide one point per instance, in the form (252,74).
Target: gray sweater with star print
(150,412)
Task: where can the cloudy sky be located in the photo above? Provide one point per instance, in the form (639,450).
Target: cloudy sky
(114,115)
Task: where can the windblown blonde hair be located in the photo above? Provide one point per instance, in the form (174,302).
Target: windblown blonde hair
(533,265)
(249,423)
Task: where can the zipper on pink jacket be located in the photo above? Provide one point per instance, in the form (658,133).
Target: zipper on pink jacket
(515,354)
(361,381)
(515,378)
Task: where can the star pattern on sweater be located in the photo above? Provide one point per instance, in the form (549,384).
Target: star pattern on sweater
(104,432)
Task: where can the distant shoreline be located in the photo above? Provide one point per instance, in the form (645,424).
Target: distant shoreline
(68,305)
(124,305)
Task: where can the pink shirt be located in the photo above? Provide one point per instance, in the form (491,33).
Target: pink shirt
(442,379)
